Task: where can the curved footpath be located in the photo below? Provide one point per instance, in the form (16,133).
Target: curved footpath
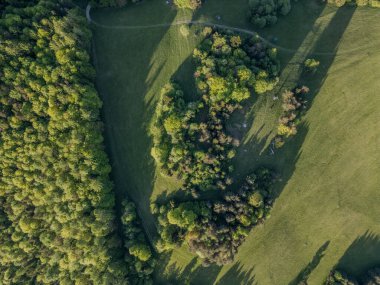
(210,24)
(199,23)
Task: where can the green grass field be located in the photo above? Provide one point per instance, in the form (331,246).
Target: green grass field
(327,211)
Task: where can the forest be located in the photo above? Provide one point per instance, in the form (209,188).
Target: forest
(61,220)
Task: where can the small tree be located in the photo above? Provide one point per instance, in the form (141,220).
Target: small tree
(311,64)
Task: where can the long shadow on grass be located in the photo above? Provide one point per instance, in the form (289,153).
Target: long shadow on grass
(123,63)
(237,275)
(303,276)
(284,160)
(362,255)
(173,274)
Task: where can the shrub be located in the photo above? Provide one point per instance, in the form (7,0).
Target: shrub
(311,64)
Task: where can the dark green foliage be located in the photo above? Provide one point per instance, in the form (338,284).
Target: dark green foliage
(56,201)
(265,12)
(293,103)
(190,138)
(140,259)
(215,229)
(339,278)
(373,277)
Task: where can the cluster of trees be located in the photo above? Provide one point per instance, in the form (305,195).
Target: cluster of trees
(340,3)
(57,219)
(372,277)
(111,3)
(293,104)
(215,229)
(188,4)
(265,12)
(140,260)
(190,138)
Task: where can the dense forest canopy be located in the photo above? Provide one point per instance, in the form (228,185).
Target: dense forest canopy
(57,217)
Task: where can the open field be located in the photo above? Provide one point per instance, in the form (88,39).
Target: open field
(327,208)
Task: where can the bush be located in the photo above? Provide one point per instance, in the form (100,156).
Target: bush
(265,12)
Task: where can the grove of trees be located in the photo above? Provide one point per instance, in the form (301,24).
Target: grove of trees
(266,12)
(190,140)
(57,218)
(140,259)
(214,229)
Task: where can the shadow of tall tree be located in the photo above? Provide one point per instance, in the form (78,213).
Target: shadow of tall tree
(122,83)
(237,275)
(362,255)
(304,274)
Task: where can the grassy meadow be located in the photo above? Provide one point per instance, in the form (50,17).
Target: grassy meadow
(327,208)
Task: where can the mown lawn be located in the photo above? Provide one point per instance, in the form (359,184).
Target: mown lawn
(327,209)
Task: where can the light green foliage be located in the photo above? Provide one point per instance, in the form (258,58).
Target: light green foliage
(56,199)
(336,106)
(214,229)
(141,251)
(188,4)
(256,199)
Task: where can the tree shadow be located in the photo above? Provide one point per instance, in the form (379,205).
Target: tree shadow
(173,274)
(304,274)
(123,61)
(237,275)
(362,255)
(257,145)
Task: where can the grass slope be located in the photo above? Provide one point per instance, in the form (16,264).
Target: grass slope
(328,210)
